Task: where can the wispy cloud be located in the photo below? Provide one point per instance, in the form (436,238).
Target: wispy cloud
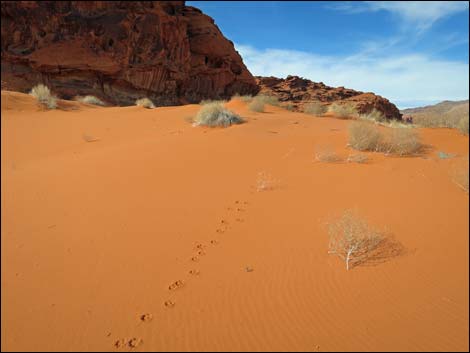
(407,80)
(419,15)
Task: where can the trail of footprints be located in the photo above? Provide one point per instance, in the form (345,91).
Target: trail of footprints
(236,213)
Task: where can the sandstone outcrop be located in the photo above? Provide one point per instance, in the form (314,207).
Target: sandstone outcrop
(299,91)
(120,51)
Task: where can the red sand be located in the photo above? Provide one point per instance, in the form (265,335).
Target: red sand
(95,233)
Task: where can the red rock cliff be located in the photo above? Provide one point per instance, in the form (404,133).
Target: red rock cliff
(120,51)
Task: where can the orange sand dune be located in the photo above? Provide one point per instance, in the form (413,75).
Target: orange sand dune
(154,211)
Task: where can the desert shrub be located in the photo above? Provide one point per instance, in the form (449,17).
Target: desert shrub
(266,99)
(353,239)
(315,108)
(44,96)
(374,115)
(463,125)
(357,158)
(145,103)
(343,110)
(460,175)
(245,98)
(90,100)
(402,142)
(215,114)
(364,136)
(257,105)
(367,137)
(326,154)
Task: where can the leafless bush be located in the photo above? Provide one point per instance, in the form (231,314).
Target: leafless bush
(343,111)
(257,105)
(326,154)
(215,114)
(90,100)
(44,96)
(267,99)
(290,107)
(364,136)
(374,115)
(315,108)
(463,125)
(352,239)
(145,103)
(357,158)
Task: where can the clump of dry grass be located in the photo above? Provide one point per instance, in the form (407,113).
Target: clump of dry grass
(43,94)
(463,125)
(327,154)
(257,105)
(353,239)
(315,108)
(343,111)
(245,98)
(90,100)
(374,115)
(367,137)
(357,158)
(215,114)
(145,103)
(460,174)
(363,136)
(266,99)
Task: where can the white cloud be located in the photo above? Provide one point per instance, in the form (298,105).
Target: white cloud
(407,80)
(416,14)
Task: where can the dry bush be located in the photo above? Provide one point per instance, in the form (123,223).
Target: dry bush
(145,103)
(463,125)
(44,96)
(343,111)
(402,142)
(257,105)
(364,136)
(357,158)
(90,100)
(374,115)
(326,154)
(266,99)
(460,175)
(353,239)
(215,114)
(315,108)
(246,98)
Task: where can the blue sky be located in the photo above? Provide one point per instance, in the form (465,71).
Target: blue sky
(413,53)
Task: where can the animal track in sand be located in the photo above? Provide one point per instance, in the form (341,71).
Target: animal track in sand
(194,272)
(169,304)
(214,242)
(175,285)
(131,343)
(146,317)
(201,253)
(195,259)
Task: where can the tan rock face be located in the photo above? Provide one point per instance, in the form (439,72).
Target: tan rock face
(299,91)
(120,51)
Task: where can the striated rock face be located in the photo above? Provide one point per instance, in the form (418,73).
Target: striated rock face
(120,51)
(299,91)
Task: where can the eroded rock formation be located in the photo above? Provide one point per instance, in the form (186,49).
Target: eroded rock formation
(300,91)
(120,51)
